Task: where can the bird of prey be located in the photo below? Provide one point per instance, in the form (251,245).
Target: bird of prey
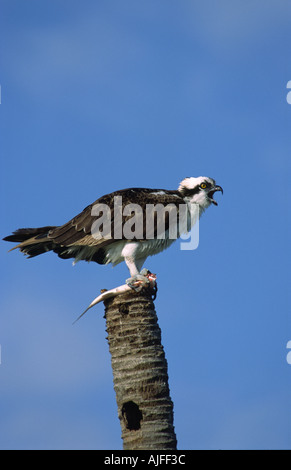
(123,226)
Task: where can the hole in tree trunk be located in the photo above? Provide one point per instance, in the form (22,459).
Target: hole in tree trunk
(131,415)
(124,309)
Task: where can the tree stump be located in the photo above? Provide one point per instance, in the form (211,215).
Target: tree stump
(140,372)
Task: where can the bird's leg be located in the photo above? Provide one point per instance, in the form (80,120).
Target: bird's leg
(143,280)
(139,279)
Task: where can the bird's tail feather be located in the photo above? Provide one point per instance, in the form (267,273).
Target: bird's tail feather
(33,241)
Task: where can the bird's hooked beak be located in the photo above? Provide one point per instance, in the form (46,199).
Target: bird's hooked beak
(211,193)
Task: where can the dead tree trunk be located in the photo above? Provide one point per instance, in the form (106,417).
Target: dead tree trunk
(140,375)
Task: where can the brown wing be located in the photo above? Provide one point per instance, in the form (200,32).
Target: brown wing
(75,239)
(78,231)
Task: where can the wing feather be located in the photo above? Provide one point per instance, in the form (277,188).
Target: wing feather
(78,230)
(75,240)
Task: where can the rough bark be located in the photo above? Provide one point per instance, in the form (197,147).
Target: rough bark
(140,374)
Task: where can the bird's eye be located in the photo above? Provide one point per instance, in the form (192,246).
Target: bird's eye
(203,185)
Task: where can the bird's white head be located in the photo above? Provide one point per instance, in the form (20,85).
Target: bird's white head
(199,191)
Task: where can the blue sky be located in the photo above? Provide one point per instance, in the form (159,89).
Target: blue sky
(99,96)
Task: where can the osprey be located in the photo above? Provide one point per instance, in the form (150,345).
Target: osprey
(117,236)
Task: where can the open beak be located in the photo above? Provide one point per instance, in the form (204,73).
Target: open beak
(211,193)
